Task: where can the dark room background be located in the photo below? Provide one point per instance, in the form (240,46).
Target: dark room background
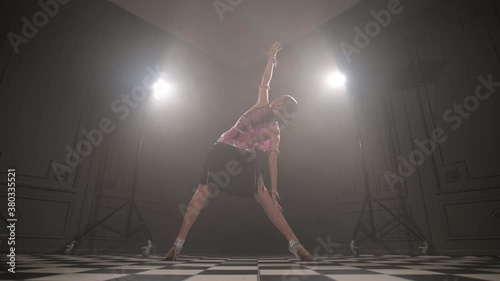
(431,57)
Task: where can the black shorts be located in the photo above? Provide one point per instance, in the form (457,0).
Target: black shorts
(234,170)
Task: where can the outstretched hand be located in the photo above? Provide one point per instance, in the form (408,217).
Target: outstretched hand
(274,50)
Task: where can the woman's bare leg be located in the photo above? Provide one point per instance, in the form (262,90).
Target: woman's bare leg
(275,215)
(277,218)
(193,210)
(195,206)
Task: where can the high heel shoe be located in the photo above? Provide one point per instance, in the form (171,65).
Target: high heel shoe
(174,250)
(299,251)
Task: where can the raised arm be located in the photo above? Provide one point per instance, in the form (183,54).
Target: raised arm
(268,74)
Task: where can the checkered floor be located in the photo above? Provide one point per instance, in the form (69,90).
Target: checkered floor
(136,268)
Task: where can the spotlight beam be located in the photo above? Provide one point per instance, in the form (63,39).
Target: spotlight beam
(161,89)
(336,80)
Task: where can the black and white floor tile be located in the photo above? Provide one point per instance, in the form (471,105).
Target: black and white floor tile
(205,268)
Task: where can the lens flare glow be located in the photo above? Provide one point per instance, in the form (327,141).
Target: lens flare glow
(162,89)
(336,80)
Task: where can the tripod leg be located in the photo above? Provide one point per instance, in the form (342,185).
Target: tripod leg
(400,221)
(146,250)
(354,248)
(360,218)
(127,237)
(141,221)
(70,247)
(425,246)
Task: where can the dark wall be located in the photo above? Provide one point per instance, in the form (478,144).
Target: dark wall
(65,79)
(428,58)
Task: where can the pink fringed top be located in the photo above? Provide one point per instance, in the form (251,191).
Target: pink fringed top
(252,130)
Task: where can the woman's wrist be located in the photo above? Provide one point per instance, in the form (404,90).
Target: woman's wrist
(275,192)
(272,59)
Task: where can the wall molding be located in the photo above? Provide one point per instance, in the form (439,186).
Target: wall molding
(468,188)
(450,221)
(70,203)
(41,186)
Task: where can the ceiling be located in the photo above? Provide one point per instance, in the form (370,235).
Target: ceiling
(237,32)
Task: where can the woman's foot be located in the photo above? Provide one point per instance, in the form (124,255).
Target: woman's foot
(174,250)
(299,251)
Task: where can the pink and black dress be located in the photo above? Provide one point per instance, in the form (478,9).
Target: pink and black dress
(238,161)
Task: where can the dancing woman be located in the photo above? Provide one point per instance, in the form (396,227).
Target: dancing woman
(243,162)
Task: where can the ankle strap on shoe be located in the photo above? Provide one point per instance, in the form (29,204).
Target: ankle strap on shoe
(292,244)
(178,245)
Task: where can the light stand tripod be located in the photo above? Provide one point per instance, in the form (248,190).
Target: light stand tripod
(371,233)
(133,209)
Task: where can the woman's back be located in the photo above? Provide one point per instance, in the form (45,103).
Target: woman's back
(253,129)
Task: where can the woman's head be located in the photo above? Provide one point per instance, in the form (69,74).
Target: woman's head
(286,106)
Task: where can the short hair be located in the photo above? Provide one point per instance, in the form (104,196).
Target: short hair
(290,106)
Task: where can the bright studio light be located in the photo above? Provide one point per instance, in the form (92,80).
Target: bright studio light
(162,89)
(336,79)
